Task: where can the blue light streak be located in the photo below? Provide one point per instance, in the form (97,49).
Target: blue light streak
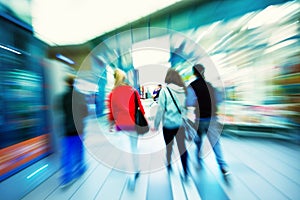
(64,58)
(37,171)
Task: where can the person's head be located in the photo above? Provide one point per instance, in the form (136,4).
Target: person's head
(198,70)
(159,86)
(175,78)
(70,79)
(120,77)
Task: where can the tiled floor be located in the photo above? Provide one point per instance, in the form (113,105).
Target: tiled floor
(260,169)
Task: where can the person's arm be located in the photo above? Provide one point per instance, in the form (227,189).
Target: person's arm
(191,98)
(84,106)
(109,104)
(110,114)
(160,109)
(79,109)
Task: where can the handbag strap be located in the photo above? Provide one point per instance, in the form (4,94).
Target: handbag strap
(174,100)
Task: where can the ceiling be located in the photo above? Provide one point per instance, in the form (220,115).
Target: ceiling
(68,22)
(228,30)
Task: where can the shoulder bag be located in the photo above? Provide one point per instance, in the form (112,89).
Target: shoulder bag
(141,124)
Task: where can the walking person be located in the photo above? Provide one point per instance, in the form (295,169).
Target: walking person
(75,110)
(121,116)
(202,96)
(156,92)
(170,117)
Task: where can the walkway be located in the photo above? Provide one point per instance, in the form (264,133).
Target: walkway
(260,169)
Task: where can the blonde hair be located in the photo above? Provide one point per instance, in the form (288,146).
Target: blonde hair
(175,78)
(120,77)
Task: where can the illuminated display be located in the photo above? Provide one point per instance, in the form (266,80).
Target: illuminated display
(24,124)
(23,135)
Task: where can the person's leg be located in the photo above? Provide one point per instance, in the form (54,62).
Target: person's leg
(134,150)
(78,155)
(180,139)
(199,138)
(213,135)
(169,141)
(133,162)
(66,160)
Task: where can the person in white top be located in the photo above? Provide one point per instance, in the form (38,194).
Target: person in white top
(170,117)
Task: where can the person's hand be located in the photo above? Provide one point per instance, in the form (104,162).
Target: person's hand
(153,129)
(111,127)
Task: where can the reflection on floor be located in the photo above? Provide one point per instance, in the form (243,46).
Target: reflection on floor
(260,169)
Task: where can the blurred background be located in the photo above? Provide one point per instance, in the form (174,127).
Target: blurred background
(250,51)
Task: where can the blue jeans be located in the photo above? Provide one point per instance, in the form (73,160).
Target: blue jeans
(132,140)
(73,164)
(212,129)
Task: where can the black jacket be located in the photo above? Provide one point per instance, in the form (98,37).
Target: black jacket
(206,106)
(75,110)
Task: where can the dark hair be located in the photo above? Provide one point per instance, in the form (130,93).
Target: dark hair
(198,70)
(70,79)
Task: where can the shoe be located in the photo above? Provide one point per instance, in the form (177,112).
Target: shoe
(131,185)
(169,167)
(80,171)
(136,175)
(225,171)
(198,158)
(132,181)
(65,183)
(184,176)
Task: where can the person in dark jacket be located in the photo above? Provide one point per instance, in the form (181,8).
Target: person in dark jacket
(75,110)
(156,92)
(202,96)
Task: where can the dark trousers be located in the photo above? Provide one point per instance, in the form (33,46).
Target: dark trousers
(169,135)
